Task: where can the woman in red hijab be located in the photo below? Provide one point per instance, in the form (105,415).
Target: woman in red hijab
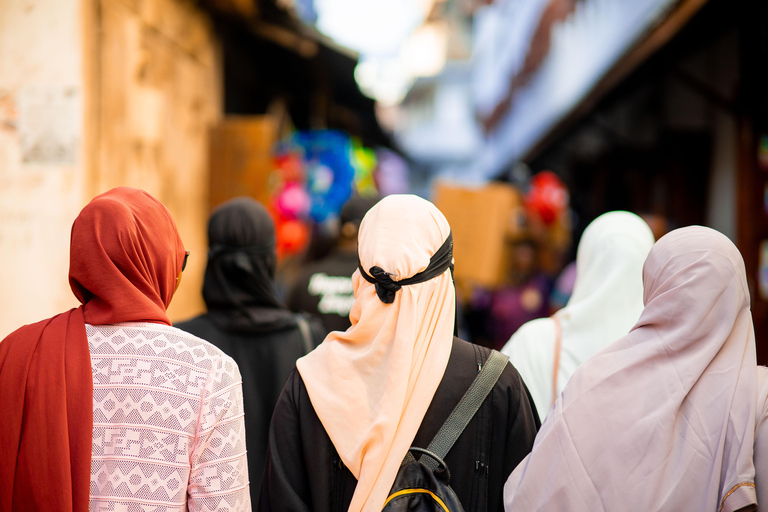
(108,405)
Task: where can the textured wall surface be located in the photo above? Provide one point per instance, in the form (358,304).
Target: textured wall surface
(96,94)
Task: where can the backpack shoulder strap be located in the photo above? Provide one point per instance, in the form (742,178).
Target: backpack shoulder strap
(306,335)
(466,408)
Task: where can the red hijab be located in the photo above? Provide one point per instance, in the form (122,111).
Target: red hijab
(125,256)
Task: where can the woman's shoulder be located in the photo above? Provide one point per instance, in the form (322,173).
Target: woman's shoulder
(161,342)
(471,356)
(530,334)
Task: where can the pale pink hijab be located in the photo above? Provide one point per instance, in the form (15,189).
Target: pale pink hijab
(371,385)
(663,418)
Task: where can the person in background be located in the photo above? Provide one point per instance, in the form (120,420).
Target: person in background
(108,407)
(350,411)
(495,315)
(606,302)
(324,288)
(562,289)
(246,320)
(663,418)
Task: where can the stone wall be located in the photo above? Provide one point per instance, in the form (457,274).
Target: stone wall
(96,94)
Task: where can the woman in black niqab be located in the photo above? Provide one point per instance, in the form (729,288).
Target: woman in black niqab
(246,319)
(239,288)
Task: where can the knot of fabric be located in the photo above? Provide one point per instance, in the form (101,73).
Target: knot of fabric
(386,287)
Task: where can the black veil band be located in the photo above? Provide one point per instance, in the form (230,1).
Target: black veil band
(266,247)
(386,287)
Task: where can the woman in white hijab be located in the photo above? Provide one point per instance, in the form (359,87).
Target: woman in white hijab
(662,419)
(606,302)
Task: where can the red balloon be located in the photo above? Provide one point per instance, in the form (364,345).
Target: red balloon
(292,237)
(547,197)
(290,167)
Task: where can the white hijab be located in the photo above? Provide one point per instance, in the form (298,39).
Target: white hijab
(607,301)
(662,419)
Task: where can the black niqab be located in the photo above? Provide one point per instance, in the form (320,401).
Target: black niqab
(238,287)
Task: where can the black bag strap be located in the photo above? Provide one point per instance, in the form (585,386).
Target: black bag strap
(465,410)
(306,335)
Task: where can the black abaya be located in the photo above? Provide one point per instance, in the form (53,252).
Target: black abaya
(303,471)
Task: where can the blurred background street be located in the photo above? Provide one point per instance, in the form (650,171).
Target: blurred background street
(522,120)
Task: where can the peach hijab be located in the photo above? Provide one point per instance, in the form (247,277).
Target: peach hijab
(372,384)
(664,417)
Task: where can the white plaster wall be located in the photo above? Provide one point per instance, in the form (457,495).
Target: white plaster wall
(40,53)
(132,88)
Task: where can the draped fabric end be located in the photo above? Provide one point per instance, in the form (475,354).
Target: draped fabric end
(740,496)
(45,433)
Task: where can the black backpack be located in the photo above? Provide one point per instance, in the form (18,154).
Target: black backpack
(423,484)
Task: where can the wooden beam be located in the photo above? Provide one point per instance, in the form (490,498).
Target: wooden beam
(304,46)
(645,48)
(244,8)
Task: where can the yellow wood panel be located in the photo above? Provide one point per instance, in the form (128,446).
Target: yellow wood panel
(482,220)
(241,157)
(158,95)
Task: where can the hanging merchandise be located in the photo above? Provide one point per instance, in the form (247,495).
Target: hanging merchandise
(315,173)
(548,219)
(293,202)
(762,153)
(329,171)
(289,204)
(762,271)
(364,161)
(292,236)
(547,197)
(765,199)
(391,173)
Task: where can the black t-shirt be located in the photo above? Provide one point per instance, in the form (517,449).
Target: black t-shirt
(324,290)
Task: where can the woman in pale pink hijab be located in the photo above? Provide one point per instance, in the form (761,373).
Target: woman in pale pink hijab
(662,419)
(358,402)
(761,437)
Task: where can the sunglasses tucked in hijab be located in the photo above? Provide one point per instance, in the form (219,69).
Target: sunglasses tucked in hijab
(64,433)
(663,418)
(384,383)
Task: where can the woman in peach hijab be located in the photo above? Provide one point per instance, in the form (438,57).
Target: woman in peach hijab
(662,419)
(355,405)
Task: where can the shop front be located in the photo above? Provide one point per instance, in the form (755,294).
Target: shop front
(652,106)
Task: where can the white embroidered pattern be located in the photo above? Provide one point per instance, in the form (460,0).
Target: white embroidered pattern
(168,428)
